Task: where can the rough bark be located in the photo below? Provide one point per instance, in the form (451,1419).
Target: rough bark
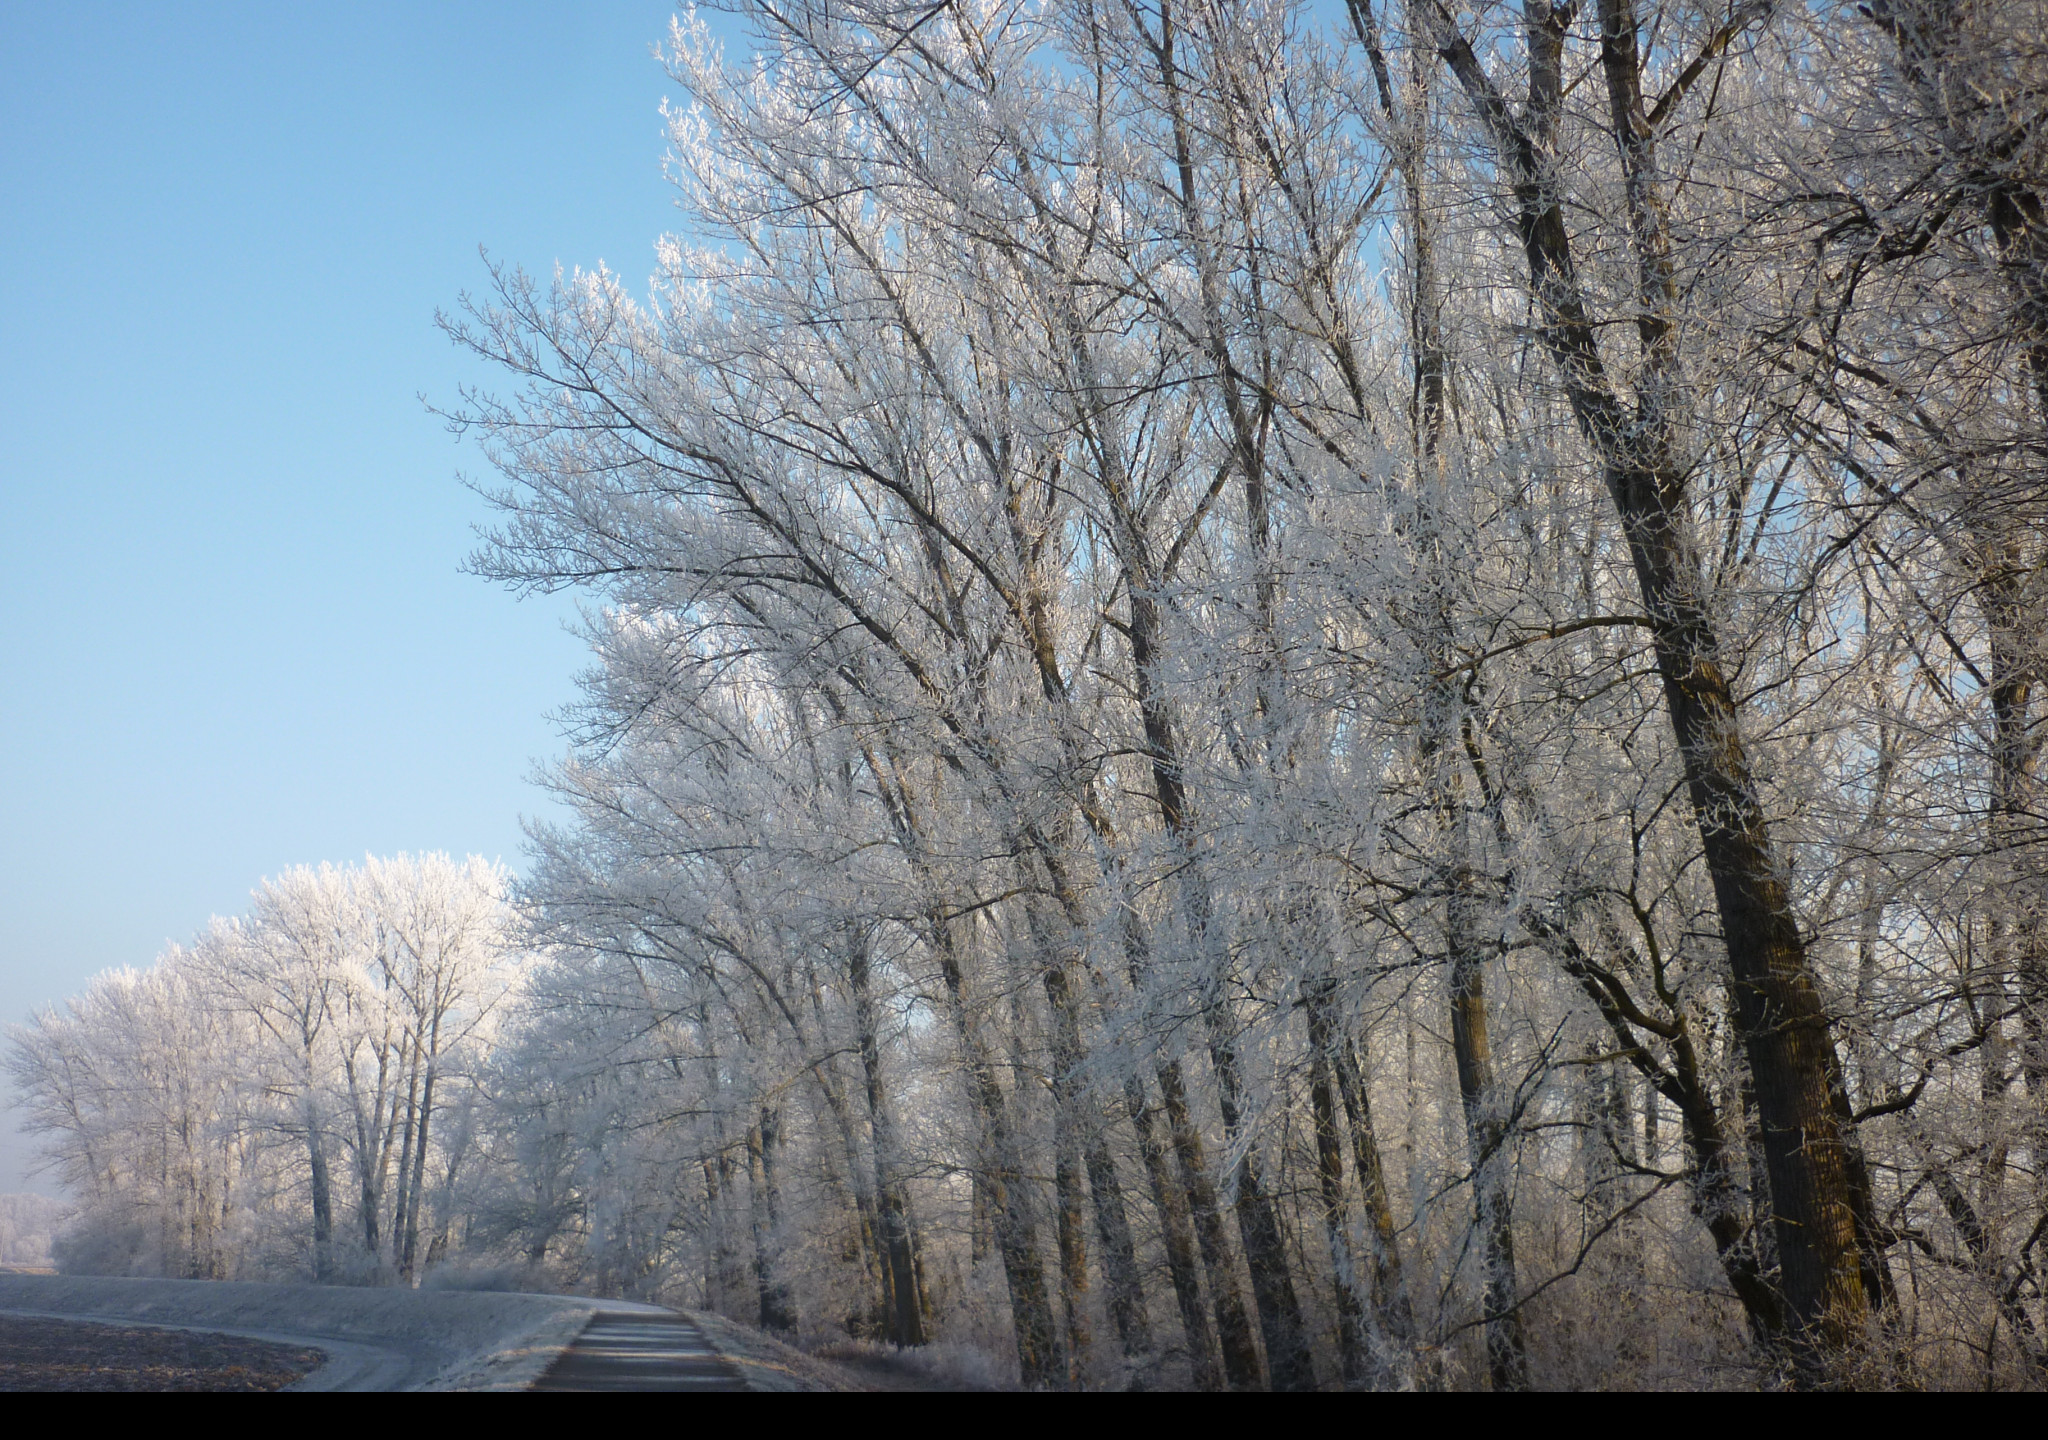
(1241,1366)
(1781,1020)
(904,1319)
(1288,1364)
(323,1201)
(1177,1235)
(1080,1130)
(777,1310)
(1041,1354)
(415,1188)
(1389,1284)
(1351,1350)
(1488,1138)
(1287,1357)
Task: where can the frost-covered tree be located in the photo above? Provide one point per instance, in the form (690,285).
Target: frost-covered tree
(198,1110)
(1283,696)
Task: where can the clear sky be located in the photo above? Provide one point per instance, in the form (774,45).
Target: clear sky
(234,636)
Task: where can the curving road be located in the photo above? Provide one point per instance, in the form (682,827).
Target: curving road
(391,1338)
(376,1338)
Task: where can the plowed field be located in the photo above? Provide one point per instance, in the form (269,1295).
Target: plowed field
(37,1354)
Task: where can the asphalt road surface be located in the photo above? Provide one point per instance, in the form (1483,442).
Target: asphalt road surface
(621,1350)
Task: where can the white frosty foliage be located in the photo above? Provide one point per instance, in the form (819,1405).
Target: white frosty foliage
(1281,695)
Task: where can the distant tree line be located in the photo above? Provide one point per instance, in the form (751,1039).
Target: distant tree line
(28,1226)
(294,1094)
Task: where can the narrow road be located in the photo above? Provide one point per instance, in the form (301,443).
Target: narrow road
(621,1350)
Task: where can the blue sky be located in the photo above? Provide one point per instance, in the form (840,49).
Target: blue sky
(233,632)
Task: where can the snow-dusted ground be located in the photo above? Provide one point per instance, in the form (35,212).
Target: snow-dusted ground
(374,1339)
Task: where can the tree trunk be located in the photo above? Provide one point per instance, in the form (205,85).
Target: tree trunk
(1389,1284)
(1177,1234)
(416,1188)
(1780,1018)
(1488,1137)
(323,1202)
(1079,1126)
(905,1322)
(1072,1239)
(1287,1359)
(1272,1286)
(870,1246)
(2019,824)
(1119,1254)
(1351,1356)
(777,1309)
(711,1250)
(1041,1357)
(409,1127)
(1241,1366)
(1067,1126)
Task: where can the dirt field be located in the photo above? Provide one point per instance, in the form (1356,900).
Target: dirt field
(38,1354)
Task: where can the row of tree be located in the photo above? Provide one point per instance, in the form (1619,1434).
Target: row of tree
(293,1094)
(1296,696)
